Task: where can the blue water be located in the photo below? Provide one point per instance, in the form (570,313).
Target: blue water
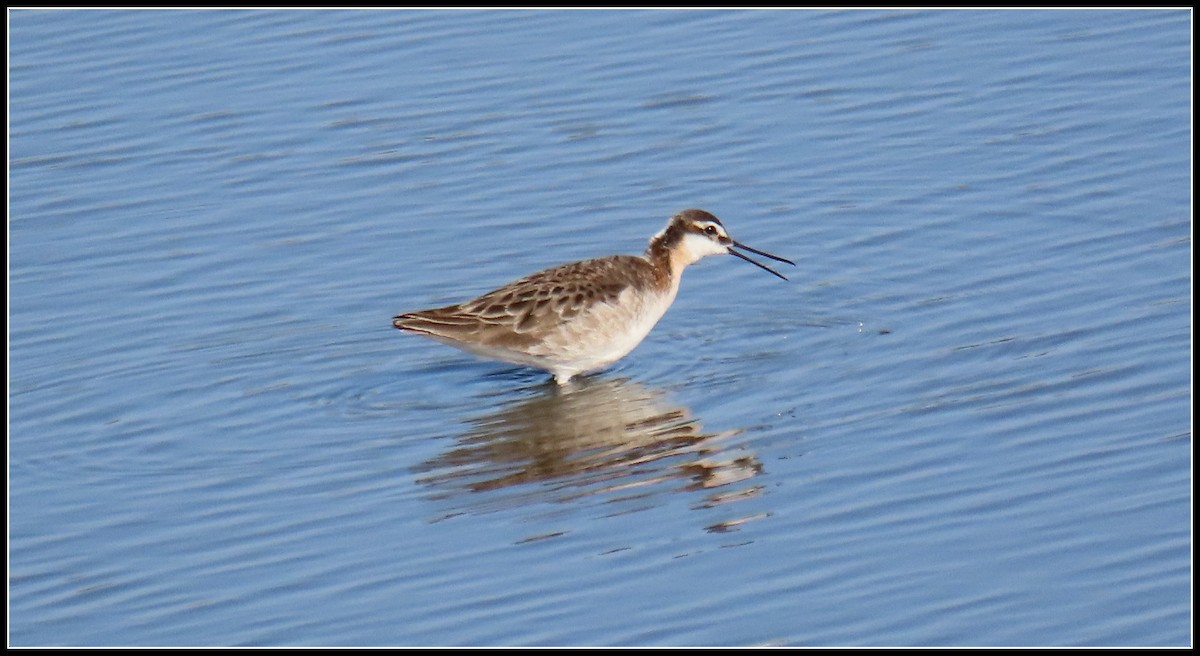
(965,420)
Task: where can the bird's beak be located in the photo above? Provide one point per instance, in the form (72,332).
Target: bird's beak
(760,265)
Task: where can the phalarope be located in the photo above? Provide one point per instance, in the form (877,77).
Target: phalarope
(581,316)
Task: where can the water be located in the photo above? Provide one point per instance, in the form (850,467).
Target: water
(965,420)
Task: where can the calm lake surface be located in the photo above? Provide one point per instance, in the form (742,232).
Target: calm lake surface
(965,420)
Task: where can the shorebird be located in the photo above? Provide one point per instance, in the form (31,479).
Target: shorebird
(581,316)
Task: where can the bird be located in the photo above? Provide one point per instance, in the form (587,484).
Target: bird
(582,316)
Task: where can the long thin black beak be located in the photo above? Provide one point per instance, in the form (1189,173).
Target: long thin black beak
(758,252)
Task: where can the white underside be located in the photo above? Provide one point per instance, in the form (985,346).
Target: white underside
(593,339)
(624,331)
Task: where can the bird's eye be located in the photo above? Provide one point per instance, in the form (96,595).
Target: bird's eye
(710,230)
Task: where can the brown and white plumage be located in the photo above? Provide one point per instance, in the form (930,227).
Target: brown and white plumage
(584,315)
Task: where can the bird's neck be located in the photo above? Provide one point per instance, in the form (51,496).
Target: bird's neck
(668,259)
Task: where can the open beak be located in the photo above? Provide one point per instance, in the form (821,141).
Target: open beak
(760,265)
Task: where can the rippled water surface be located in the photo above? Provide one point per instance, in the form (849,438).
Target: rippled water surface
(966,419)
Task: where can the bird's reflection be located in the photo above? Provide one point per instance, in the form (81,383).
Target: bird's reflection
(597,436)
